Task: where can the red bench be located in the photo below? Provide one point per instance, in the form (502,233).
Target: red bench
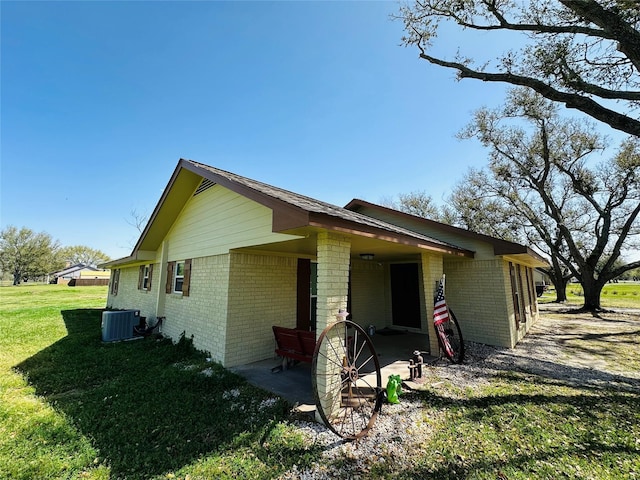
(294,344)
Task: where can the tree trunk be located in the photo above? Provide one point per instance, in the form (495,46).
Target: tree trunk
(592,289)
(16,278)
(557,277)
(561,289)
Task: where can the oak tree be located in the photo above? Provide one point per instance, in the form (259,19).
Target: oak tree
(542,170)
(584,54)
(27,255)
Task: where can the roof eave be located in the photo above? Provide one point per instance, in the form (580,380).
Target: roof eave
(500,247)
(344,226)
(139,257)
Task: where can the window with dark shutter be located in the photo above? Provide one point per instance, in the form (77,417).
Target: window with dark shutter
(141,277)
(515,294)
(186,280)
(150,277)
(169,285)
(115,280)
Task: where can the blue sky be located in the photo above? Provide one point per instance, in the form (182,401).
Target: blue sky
(101,99)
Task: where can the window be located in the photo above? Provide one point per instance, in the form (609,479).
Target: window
(533,304)
(179,277)
(515,293)
(144,277)
(115,279)
(307,294)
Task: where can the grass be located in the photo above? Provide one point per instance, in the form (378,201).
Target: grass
(524,427)
(614,295)
(72,407)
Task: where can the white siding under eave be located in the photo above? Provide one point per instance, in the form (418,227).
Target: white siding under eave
(218,220)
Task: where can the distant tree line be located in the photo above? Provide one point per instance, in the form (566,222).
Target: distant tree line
(26,255)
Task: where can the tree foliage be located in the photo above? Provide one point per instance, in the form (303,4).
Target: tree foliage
(82,254)
(542,173)
(418,203)
(26,254)
(582,53)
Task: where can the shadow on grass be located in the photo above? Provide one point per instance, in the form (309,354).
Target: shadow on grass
(564,432)
(147,405)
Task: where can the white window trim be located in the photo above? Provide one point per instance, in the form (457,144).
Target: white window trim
(176,277)
(145,278)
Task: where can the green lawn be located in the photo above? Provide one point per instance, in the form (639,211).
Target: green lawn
(624,294)
(72,407)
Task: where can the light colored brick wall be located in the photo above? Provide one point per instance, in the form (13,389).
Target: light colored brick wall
(432,266)
(333,276)
(369,299)
(480,295)
(129,297)
(203,314)
(262,293)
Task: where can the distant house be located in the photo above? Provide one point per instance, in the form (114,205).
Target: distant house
(77,271)
(224,257)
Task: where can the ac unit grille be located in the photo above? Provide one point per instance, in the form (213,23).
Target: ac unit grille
(118,324)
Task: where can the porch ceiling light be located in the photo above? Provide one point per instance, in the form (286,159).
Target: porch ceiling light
(366,256)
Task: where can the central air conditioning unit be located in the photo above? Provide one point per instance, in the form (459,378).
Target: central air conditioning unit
(118,324)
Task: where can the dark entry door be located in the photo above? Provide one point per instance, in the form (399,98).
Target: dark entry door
(405,295)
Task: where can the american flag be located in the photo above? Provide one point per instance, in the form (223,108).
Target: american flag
(440,310)
(440,317)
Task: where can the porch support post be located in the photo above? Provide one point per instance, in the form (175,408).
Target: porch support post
(431,272)
(333,278)
(162,280)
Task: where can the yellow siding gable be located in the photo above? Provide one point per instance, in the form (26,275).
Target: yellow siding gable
(217,220)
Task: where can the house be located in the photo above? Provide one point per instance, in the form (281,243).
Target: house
(77,271)
(223,258)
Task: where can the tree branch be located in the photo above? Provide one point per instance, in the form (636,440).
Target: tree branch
(504,24)
(575,81)
(571,100)
(611,23)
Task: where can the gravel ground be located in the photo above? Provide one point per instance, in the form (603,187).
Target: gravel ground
(548,350)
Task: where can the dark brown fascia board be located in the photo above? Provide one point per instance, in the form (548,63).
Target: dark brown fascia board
(285,215)
(500,247)
(329,222)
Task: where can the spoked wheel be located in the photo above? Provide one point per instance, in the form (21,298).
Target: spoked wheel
(346,380)
(450,339)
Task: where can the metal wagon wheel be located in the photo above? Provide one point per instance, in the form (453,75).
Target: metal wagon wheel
(450,339)
(346,380)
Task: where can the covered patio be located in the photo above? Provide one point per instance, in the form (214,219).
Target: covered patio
(394,351)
